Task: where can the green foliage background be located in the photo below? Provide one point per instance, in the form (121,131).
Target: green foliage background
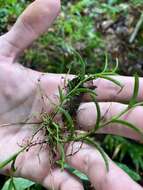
(93,28)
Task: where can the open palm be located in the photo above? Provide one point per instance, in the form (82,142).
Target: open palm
(26,94)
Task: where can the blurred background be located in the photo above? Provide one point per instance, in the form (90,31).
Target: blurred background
(94,28)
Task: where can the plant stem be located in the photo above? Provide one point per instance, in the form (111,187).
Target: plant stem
(136,30)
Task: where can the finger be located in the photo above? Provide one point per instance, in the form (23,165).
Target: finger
(55,179)
(108,91)
(87,115)
(35,20)
(37,164)
(89,161)
(61,180)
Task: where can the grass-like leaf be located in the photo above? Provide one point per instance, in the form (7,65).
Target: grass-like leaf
(57,132)
(99,148)
(116,66)
(61,95)
(82,64)
(138,104)
(129,125)
(61,162)
(98,119)
(10,159)
(106,63)
(111,79)
(85,91)
(136,91)
(69,119)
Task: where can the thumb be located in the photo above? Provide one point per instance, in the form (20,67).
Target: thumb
(35,20)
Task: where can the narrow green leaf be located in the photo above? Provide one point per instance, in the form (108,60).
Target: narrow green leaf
(109,73)
(116,66)
(57,132)
(129,125)
(99,148)
(61,94)
(98,119)
(93,96)
(136,91)
(98,115)
(61,162)
(82,63)
(79,174)
(10,159)
(13,165)
(138,104)
(106,63)
(84,90)
(134,175)
(112,80)
(68,118)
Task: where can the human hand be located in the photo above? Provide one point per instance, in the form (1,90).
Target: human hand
(22,103)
